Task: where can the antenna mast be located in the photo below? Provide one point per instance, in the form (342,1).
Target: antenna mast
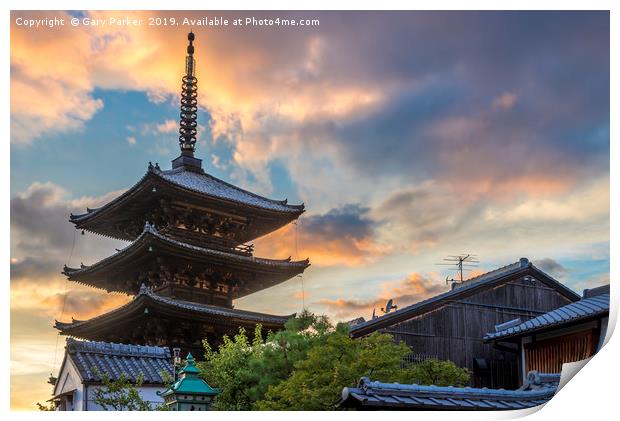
(461,263)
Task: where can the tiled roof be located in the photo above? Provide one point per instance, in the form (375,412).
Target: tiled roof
(150,230)
(216,310)
(285,268)
(96,359)
(212,186)
(201,183)
(178,305)
(457,290)
(538,389)
(580,310)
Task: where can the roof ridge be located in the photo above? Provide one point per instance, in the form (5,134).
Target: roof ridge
(473,282)
(283,202)
(117,349)
(492,272)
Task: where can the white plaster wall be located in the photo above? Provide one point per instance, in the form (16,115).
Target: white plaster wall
(147,393)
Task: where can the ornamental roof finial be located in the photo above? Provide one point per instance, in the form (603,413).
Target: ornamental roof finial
(189,102)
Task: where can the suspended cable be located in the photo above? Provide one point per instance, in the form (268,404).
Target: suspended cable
(64,295)
(301,276)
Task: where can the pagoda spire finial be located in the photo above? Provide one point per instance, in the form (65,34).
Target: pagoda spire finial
(189,102)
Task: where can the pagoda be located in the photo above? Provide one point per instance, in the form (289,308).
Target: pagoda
(188,256)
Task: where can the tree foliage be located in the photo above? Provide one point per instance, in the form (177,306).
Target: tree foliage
(439,373)
(306,365)
(43,407)
(244,369)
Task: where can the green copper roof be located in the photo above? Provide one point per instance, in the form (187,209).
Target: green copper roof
(190,382)
(190,366)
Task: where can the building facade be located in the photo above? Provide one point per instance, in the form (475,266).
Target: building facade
(567,334)
(451,326)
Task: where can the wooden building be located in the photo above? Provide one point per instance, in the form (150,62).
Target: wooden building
(188,256)
(567,334)
(451,326)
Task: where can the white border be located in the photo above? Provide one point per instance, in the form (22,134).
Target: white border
(590,395)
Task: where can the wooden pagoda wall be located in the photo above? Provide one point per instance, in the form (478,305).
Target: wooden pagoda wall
(455,331)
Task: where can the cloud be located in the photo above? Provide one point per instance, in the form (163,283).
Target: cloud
(552,267)
(320,100)
(49,95)
(506,100)
(40,228)
(32,268)
(84,304)
(341,236)
(131,140)
(302,296)
(415,287)
(167,126)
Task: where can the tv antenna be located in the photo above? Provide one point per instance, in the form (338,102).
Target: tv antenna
(463,262)
(389,307)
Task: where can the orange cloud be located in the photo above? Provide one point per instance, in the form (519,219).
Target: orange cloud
(240,73)
(301,295)
(342,236)
(415,287)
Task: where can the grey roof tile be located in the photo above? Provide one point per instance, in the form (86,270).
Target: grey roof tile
(96,359)
(579,310)
(538,389)
(212,186)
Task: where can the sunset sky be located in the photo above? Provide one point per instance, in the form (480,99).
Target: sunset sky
(408,135)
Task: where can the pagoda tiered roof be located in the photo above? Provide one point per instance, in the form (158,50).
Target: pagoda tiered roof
(190,185)
(147,304)
(187,260)
(120,271)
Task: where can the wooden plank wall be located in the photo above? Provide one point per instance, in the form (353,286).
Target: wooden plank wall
(455,331)
(548,355)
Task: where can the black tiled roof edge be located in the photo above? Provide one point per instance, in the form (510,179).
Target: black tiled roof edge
(145,292)
(538,389)
(151,230)
(156,171)
(571,313)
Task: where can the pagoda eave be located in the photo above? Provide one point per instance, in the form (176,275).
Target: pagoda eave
(149,305)
(120,272)
(206,192)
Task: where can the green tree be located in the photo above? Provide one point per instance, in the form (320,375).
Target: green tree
(317,381)
(244,369)
(306,365)
(439,373)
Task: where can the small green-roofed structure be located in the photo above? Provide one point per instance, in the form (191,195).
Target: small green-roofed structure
(190,392)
